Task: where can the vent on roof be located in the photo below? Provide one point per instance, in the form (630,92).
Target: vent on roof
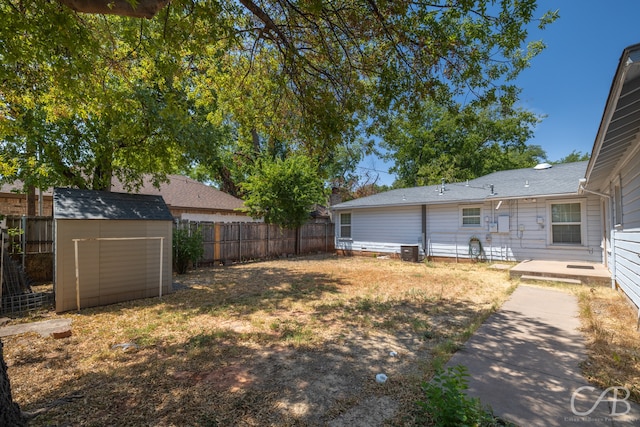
(541,166)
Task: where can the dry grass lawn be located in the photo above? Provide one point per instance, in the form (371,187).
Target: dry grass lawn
(610,324)
(287,342)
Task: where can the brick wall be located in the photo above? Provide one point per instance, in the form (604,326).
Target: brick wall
(16,204)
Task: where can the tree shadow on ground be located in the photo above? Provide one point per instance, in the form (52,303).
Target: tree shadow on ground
(230,378)
(224,375)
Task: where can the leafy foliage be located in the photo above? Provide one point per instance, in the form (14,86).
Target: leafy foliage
(431,142)
(213,86)
(187,248)
(447,404)
(574,156)
(284,192)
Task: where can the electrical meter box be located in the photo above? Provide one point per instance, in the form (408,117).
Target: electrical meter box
(503,224)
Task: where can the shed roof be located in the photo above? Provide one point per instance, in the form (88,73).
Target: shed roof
(69,203)
(620,125)
(557,180)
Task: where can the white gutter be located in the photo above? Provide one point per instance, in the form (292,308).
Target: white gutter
(597,193)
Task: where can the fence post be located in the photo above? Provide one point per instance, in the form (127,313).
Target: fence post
(240,241)
(216,242)
(326,237)
(24,240)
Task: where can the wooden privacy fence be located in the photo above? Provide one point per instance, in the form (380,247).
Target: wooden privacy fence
(239,241)
(31,244)
(34,234)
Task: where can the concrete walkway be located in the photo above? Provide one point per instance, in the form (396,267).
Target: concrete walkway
(524,363)
(44,328)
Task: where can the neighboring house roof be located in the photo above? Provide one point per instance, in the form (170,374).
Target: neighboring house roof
(180,192)
(562,179)
(618,129)
(188,193)
(69,203)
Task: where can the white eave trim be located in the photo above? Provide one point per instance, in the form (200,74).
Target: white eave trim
(630,56)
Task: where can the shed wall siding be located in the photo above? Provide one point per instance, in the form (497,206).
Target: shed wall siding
(110,271)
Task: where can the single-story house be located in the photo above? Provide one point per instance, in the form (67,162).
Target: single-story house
(525,214)
(110,247)
(613,173)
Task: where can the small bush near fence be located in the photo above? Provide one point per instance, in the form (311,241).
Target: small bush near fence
(187,248)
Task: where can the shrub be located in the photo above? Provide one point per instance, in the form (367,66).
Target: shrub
(187,247)
(447,404)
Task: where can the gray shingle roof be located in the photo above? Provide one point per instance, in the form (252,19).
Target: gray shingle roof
(71,203)
(185,192)
(518,183)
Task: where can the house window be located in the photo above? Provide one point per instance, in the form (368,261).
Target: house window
(566,223)
(617,205)
(471,217)
(345,225)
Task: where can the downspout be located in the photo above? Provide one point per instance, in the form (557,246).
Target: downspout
(424,230)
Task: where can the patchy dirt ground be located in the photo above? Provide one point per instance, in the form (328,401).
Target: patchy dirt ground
(288,342)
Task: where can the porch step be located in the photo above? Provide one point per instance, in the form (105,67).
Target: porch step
(529,278)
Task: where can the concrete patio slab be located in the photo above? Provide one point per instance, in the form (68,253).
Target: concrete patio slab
(587,273)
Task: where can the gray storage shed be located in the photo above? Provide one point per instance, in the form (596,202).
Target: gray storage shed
(110,247)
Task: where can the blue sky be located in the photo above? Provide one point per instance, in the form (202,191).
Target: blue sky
(570,80)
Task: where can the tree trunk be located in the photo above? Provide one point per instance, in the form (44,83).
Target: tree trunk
(31,200)
(10,414)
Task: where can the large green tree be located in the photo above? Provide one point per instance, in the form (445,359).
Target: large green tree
(432,142)
(276,72)
(85,98)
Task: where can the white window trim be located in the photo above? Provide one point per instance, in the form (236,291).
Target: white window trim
(340,226)
(465,226)
(583,222)
(617,211)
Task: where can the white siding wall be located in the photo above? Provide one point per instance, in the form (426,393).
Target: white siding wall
(526,239)
(382,229)
(386,229)
(626,239)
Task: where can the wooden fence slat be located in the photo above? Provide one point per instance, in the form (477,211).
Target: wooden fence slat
(236,241)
